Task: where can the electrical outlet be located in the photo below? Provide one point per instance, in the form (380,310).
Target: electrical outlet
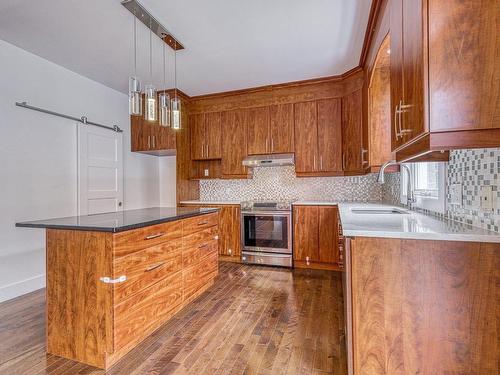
(206,173)
(456,194)
(487,197)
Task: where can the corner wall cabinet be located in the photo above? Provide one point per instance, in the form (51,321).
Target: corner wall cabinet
(445,89)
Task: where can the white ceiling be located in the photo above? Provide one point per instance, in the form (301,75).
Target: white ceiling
(230,44)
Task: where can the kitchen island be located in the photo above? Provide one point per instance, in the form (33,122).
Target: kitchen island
(113,279)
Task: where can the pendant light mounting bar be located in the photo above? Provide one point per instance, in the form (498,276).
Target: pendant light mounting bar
(151,23)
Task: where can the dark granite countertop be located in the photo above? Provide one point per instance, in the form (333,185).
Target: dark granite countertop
(118,221)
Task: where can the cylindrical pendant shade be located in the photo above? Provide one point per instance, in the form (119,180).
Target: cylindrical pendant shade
(151,103)
(165,112)
(176,113)
(134,97)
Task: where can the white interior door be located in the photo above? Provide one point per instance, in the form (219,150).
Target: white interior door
(100,170)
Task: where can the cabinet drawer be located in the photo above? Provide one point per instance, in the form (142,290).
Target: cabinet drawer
(199,245)
(132,240)
(141,314)
(196,276)
(195,224)
(146,267)
(193,255)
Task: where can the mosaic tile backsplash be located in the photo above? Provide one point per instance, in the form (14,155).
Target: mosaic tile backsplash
(473,169)
(281,183)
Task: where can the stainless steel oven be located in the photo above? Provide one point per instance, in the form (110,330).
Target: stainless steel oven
(266,233)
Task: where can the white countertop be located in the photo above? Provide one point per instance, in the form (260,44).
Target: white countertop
(210,202)
(411,225)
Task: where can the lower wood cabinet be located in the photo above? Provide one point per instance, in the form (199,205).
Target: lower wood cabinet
(153,273)
(315,237)
(423,307)
(229,229)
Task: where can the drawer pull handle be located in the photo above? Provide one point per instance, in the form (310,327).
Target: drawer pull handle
(156,235)
(154,267)
(203,223)
(203,246)
(108,280)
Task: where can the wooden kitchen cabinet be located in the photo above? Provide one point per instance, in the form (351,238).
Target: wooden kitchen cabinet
(229,229)
(329,113)
(151,138)
(444,85)
(315,237)
(281,128)
(270,129)
(440,298)
(354,154)
(234,144)
(205,131)
(318,137)
(257,122)
(306,137)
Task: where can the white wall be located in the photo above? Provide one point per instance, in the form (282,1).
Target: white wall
(167,181)
(38,158)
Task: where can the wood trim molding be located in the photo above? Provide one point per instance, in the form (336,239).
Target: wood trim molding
(306,82)
(370,30)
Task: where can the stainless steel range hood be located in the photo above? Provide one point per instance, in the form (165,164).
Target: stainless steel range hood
(273,160)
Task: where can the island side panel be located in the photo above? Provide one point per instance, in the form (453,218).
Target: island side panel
(425,306)
(78,305)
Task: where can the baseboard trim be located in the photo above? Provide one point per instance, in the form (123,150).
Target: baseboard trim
(21,287)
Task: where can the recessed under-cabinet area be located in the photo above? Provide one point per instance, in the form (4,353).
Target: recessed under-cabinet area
(309,189)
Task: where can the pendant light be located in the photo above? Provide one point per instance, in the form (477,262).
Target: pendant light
(176,103)
(164,98)
(150,90)
(134,84)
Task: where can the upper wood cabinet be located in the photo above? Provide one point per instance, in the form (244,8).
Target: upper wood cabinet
(329,113)
(318,137)
(270,129)
(257,122)
(234,143)
(306,137)
(151,138)
(205,130)
(445,83)
(281,128)
(379,109)
(316,243)
(354,155)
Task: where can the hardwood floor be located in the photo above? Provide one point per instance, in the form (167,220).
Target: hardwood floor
(253,320)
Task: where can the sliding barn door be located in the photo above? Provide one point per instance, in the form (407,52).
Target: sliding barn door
(100,170)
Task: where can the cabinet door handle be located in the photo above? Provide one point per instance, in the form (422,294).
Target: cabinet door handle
(109,280)
(154,267)
(203,246)
(152,236)
(402,109)
(208,153)
(267,144)
(154,141)
(272,144)
(396,122)
(314,162)
(363,152)
(149,142)
(321,163)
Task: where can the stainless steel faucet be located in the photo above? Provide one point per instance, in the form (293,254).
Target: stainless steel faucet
(410,196)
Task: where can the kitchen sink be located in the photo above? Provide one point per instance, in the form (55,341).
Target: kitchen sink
(379,211)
